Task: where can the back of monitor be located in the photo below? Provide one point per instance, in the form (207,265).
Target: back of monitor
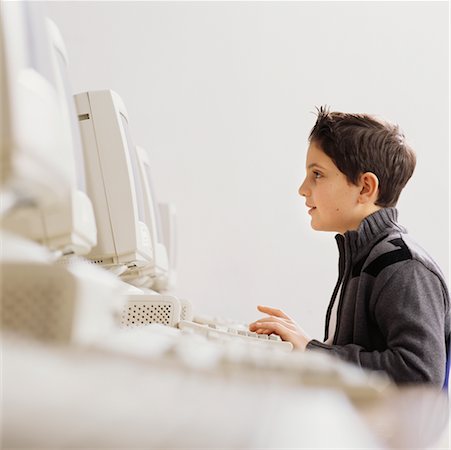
(112,182)
(68,227)
(33,145)
(160,220)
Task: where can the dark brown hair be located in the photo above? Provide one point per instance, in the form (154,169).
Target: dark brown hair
(359,143)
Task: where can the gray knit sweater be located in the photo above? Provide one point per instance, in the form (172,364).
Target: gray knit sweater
(393,312)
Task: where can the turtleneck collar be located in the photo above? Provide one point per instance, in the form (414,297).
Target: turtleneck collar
(371,229)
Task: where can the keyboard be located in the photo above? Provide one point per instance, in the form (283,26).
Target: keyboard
(222,332)
(198,351)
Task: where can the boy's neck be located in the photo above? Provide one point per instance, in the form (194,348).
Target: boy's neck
(361,216)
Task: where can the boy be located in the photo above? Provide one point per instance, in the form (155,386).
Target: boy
(390,307)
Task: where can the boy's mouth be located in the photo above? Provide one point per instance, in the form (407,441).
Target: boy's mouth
(312,208)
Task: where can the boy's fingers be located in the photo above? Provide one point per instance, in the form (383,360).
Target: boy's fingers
(262,331)
(271,327)
(255,326)
(273,311)
(264,320)
(277,328)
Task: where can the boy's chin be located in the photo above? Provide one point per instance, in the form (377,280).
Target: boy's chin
(317,227)
(322,227)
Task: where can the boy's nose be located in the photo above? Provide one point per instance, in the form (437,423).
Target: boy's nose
(302,191)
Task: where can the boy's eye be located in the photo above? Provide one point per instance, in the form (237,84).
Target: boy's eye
(316,175)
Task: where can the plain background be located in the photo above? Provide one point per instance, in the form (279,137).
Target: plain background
(222,95)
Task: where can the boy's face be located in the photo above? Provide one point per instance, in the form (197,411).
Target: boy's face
(332,200)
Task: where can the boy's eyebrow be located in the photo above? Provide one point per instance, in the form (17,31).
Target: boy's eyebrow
(315,165)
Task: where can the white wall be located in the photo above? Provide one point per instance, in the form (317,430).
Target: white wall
(222,94)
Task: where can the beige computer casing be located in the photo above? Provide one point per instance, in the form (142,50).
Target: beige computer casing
(112,180)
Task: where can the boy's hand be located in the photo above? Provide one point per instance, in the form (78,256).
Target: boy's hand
(279,323)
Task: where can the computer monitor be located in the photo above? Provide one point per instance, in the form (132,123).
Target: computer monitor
(33,165)
(70,227)
(113,181)
(160,219)
(168,216)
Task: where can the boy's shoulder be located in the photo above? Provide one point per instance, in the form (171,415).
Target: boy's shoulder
(395,250)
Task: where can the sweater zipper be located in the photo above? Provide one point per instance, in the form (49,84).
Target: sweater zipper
(347,272)
(341,267)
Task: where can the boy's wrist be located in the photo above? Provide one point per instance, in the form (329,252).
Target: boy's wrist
(302,343)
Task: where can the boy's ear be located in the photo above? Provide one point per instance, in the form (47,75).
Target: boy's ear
(369,184)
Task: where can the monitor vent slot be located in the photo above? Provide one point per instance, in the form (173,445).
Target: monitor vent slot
(138,314)
(41,307)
